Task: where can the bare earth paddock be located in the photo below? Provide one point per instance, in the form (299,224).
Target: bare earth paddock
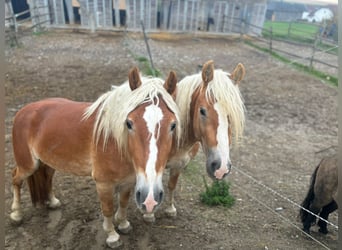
(291,125)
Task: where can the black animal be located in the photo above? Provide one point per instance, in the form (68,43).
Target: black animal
(322,195)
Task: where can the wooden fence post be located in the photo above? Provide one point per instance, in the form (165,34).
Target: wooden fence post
(271,37)
(289,30)
(317,38)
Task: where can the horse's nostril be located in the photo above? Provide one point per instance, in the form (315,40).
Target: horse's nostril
(214,166)
(138,196)
(161,194)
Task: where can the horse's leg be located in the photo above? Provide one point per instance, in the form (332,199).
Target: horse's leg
(105,193)
(175,171)
(326,210)
(173,179)
(310,219)
(121,214)
(17,182)
(53,201)
(19,174)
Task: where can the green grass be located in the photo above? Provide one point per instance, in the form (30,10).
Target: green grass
(304,32)
(217,194)
(326,77)
(145,66)
(297,32)
(39,33)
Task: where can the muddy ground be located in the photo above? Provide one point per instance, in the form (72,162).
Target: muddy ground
(291,125)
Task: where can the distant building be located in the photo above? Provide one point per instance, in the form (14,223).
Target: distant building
(217,16)
(20,6)
(284,11)
(319,15)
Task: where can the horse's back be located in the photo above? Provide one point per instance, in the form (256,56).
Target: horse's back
(52,131)
(53,115)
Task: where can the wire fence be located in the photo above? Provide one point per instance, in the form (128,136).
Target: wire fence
(312,50)
(185,18)
(274,211)
(19,24)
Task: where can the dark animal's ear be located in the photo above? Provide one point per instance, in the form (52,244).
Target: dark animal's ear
(171,83)
(134,78)
(208,72)
(238,73)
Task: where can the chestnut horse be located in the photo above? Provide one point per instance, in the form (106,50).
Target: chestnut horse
(123,138)
(321,198)
(212,111)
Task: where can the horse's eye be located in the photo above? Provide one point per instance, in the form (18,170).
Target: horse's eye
(129,124)
(173,126)
(203,112)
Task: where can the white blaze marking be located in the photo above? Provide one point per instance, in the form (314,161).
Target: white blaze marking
(222,140)
(153,115)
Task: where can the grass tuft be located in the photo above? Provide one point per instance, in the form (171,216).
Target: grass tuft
(217,194)
(145,66)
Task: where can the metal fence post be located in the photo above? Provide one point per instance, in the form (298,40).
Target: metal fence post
(242,26)
(92,21)
(148,48)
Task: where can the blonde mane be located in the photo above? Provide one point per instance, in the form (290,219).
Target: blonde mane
(113,107)
(223,90)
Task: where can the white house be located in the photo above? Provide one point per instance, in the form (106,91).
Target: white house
(318,16)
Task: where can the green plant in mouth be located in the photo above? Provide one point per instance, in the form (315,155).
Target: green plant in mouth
(217,194)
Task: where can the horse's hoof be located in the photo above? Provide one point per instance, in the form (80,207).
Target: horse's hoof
(306,230)
(126,228)
(323,230)
(54,203)
(171,212)
(149,218)
(113,241)
(16,217)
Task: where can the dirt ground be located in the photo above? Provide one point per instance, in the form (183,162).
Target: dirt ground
(291,125)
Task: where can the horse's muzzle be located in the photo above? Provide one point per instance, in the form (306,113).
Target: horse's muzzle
(215,170)
(229,167)
(147,200)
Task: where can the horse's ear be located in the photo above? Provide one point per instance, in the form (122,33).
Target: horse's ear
(208,72)
(134,78)
(238,73)
(171,83)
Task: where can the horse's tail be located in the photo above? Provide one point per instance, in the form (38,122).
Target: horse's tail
(40,185)
(309,197)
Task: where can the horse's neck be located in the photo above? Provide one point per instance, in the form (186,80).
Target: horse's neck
(190,138)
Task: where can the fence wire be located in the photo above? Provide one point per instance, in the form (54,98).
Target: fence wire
(287,220)
(138,49)
(281,196)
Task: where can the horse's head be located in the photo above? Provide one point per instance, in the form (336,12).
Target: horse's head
(152,129)
(217,111)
